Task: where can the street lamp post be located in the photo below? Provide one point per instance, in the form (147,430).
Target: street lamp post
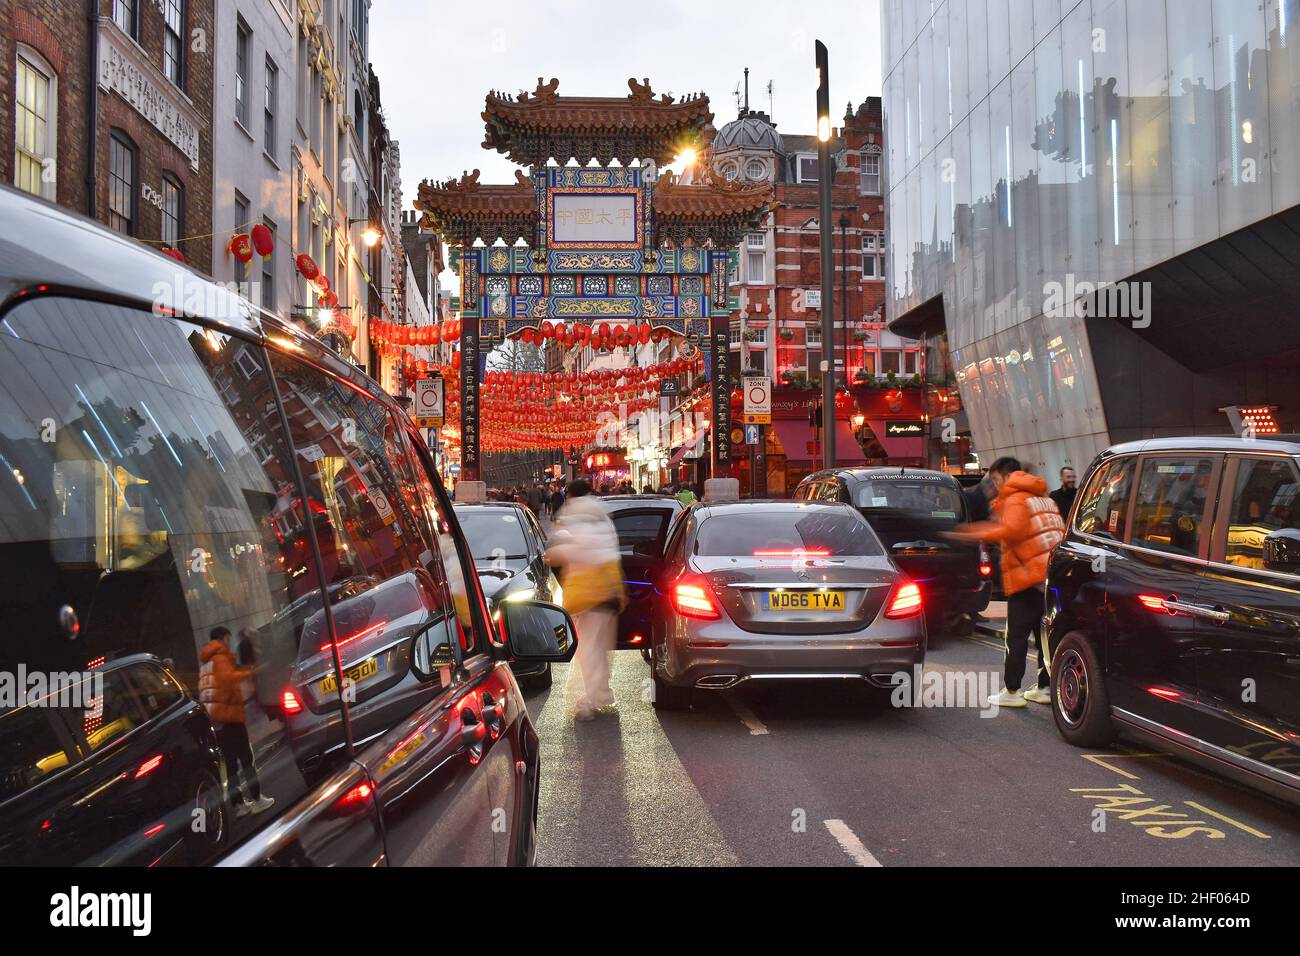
(824,183)
(844,291)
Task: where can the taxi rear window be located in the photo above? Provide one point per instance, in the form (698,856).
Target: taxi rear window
(816,532)
(932,498)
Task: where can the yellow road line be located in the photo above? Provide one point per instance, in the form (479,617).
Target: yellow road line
(1096,758)
(1241,826)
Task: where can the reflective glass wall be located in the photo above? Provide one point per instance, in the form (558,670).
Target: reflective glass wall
(1037,144)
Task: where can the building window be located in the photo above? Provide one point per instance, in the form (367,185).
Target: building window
(35,124)
(757,336)
(756,267)
(806,168)
(891,360)
(758,361)
(268,271)
(121,183)
(757,169)
(268,107)
(243,41)
(873,247)
(173,46)
(173,211)
(812,335)
(126,16)
(910,366)
(871,171)
(869,362)
(241,225)
(359,24)
(730,171)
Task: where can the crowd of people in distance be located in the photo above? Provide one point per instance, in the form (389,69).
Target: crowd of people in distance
(545,499)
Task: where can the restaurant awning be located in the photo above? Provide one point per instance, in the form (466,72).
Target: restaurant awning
(794,436)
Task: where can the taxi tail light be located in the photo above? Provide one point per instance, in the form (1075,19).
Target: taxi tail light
(905,600)
(692,597)
(290,702)
(149,766)
(1154,602)
(986,563)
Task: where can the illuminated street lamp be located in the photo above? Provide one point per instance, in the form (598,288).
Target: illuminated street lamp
(369,235)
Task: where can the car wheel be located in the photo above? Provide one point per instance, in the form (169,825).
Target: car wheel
(205,795)
(667,696)
(1080,703)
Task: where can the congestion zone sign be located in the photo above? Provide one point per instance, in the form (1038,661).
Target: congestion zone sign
(758,400)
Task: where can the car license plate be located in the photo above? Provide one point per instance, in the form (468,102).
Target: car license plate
(803,601)
(363,671)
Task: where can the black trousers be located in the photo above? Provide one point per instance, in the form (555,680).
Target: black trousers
(1024,617)
(233,741)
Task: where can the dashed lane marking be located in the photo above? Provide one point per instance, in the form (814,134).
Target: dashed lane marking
(850,843)
(747,717)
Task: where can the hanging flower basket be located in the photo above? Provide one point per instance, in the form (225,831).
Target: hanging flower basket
(786,335)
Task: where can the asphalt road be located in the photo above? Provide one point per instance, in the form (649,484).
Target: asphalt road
(823,775)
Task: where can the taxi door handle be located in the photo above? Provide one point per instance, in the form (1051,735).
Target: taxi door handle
(1198,610)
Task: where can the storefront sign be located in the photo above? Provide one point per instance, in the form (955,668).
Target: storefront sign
(469,398)
(908,428)
(124,70)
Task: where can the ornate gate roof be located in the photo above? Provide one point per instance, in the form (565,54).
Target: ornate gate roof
(531,129)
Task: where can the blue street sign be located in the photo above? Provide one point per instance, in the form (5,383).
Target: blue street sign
(751,434)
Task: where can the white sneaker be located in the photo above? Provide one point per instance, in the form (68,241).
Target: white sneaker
(1039,695)
(261,804)
(1007,698)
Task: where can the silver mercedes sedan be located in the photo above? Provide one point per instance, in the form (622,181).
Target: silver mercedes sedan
(779,590)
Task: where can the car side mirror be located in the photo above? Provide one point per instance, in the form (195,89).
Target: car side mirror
(537,632)
(1282,550)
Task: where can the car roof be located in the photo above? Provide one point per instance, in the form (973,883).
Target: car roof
(49,250)
(763,505)
(630,500)
(880,471)
(1287,444)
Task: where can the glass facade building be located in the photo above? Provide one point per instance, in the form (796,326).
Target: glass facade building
(1035,148)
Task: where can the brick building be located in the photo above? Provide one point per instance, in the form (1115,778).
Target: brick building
(777,331)
(142,77)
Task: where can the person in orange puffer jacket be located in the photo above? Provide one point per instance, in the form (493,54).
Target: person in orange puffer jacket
(1027,526)
(222,694)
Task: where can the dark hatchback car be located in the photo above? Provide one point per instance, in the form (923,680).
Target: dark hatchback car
(509,545)
(166,451)
(910,509)
(1173,605)
(642,523)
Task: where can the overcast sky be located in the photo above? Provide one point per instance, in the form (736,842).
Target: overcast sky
(436,62)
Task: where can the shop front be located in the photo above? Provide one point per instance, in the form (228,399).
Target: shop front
(873,426)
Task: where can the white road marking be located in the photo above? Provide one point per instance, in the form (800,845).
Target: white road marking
(850,842)
(747,717)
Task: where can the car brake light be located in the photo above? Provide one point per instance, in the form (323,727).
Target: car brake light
(366,632)
(794,553)
(692,599)
(986,564)
(906,601)
(149,766)
(290,702)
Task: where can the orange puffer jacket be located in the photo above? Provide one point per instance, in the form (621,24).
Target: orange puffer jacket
(1028,527)
(219,684)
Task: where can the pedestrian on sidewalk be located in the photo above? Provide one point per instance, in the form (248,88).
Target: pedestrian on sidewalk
(1064,495)
(1027,527)
(585,549)
(222,695)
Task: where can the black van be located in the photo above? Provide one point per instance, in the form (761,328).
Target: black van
(910,509)
(239,543)
(1173,605)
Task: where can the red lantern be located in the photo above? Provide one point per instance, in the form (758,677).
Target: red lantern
(240,247)
(455,359)
(307,266)
(644,337)
(527,336)
(174,253)
(263,241)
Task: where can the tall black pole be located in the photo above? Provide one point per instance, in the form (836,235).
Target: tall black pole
(824,183)
(844,292)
